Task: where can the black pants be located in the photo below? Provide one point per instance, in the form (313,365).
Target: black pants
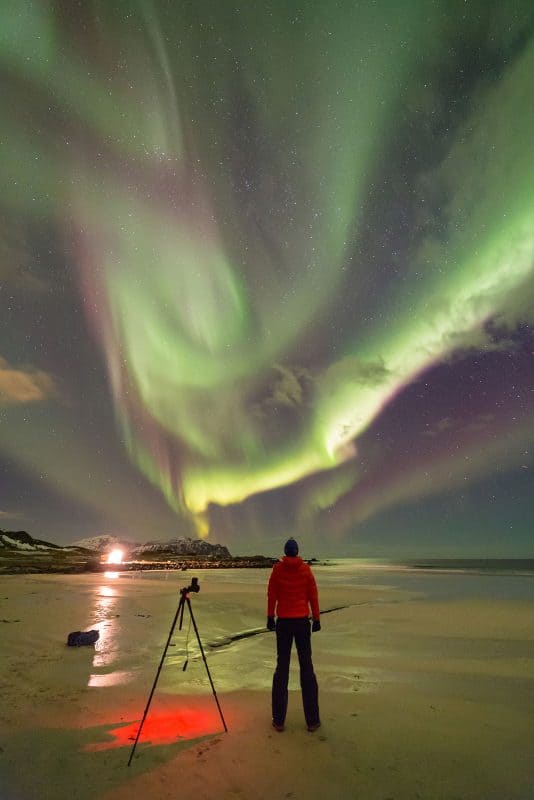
(287,630)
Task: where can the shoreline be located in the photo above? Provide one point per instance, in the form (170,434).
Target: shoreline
(76,563)
(76,566)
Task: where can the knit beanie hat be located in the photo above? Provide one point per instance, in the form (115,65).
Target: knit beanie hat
(291,548)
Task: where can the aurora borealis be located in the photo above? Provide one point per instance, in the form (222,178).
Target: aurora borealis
(269,268)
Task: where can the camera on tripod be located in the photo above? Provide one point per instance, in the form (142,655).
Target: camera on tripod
(184,600)
(194,587)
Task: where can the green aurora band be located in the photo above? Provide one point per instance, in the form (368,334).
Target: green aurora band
(218,189)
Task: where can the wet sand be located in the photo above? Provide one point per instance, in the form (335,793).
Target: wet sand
(419,698)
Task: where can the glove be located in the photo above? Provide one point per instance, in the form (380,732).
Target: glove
(271,624)
(316,626)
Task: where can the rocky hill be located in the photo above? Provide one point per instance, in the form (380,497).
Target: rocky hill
(104,543)
(161,548)
(22,541)
(181,547)
(20,552)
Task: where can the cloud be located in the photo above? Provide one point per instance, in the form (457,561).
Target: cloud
(480,422)
(355,372)
(16,260)
(439,427)
(22,386)
(289,388)
(11,514)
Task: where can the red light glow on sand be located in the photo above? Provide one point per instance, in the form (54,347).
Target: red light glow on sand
(164,726)
(115,557)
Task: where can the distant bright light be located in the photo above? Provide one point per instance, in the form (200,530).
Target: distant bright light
(115,557)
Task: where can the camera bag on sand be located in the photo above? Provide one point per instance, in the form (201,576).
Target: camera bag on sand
(78,638)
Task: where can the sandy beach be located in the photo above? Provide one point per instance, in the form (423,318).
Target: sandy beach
(420,697)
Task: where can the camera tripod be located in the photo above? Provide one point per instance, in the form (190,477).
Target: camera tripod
(184,598)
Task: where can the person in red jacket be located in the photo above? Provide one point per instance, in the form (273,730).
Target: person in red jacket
(291,593)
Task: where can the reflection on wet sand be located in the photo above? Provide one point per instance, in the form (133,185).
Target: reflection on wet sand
(106,620)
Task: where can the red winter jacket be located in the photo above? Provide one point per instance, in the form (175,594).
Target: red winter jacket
(292,589)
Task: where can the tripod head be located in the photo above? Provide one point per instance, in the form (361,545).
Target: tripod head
(193,588)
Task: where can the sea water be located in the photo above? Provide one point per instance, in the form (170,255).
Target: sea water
(440,580)
(454,579)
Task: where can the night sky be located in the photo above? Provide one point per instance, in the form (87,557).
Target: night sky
(268,269)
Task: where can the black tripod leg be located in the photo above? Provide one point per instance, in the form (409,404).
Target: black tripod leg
(180,608)
(205,662)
